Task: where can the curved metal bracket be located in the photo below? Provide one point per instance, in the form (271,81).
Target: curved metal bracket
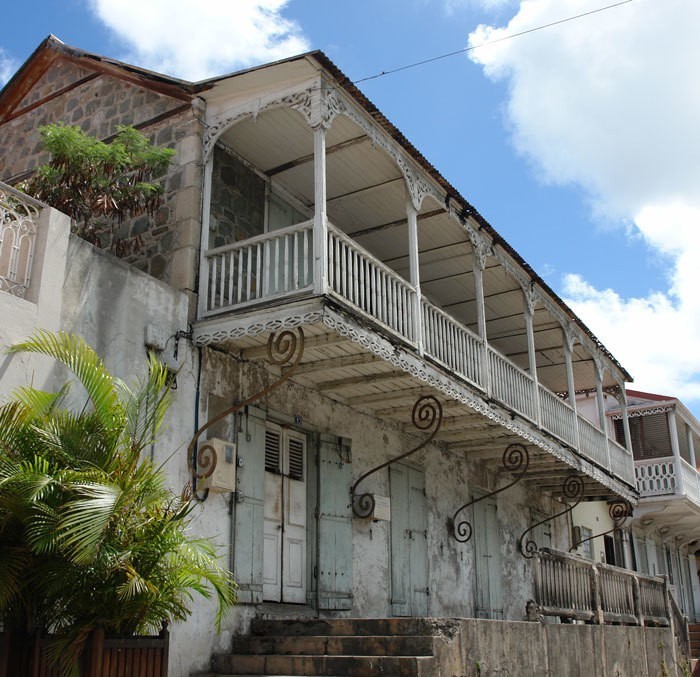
(573,488)
(516,459)
(283,348)
(619,511)
(427,414)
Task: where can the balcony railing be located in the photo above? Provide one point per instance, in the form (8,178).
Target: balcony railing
(659,477)
(19,216)
(572,587)
(281,263)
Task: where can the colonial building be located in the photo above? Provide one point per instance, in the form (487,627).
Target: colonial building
(381,392)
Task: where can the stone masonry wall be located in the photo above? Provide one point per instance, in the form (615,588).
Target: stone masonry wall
(171,237)
(237,201)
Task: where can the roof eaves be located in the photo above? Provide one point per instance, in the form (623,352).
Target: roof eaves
(453,194)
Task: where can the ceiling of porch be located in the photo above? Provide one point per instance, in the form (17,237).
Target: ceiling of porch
(345,371)
(367,200)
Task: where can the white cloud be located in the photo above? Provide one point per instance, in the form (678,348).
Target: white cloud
(196,40)
(7,67)
(611,102)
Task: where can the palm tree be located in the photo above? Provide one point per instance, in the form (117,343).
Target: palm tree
(89,532)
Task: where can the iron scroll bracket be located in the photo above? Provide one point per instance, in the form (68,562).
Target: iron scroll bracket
(283,348)
(427,415)
(572,488)
(619,511)
(516,460)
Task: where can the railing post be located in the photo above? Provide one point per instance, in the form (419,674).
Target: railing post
(96,649)
(320,219)
(637,598)
(165,636)
(597,596)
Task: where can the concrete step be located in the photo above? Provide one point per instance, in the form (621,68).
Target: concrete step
(334,645)
(353,627)
(340,666)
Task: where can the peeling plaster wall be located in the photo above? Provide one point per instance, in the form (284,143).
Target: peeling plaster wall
(450,478)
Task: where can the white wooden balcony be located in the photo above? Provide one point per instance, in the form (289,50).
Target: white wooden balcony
(318,212)
(278,267)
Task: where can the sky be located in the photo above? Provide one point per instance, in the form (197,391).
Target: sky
(579,143)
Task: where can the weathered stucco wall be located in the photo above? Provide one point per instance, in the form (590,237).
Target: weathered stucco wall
(450,479)
(41,307)
(490,648)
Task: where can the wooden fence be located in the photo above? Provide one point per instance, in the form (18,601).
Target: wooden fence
(136,656)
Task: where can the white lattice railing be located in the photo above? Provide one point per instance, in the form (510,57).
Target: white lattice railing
(691,481)
(512,385)
(558,417)
(452,344)
(593,441)
(621,461)
(656,477)
(281,263)
(267,266)
(19,216)
(358,277)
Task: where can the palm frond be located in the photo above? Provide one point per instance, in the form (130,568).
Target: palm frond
(72,351)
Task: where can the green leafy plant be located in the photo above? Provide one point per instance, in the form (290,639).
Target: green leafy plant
(97,183)
(89,532)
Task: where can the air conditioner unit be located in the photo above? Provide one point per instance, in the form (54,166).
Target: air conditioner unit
(223,479)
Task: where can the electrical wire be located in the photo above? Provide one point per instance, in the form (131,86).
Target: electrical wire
(490,42)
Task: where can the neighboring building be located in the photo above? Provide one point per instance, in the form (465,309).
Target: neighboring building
(293,203)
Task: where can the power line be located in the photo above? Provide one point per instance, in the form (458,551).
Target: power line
(491,42)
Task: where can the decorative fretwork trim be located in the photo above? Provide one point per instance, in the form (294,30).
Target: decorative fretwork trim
(632,413)
(301,101)
(398,357)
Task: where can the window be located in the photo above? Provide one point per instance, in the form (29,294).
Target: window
(586,547)
(650,435)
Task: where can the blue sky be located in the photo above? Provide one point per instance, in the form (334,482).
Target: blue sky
(578,142)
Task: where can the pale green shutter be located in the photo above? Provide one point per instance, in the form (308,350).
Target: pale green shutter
(249,512)
(333,557)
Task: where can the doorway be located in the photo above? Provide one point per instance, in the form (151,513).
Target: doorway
(284,537)
(487,556)
(409,542)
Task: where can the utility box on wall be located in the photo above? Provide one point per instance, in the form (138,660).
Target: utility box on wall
(223,479)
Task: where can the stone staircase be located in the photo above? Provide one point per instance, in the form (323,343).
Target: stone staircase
(694,632)
(401,647)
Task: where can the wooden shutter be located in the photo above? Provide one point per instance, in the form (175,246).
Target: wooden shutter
(333,561)
(249,512)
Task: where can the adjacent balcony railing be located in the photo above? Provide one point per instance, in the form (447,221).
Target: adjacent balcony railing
(19,216)
(572,587)
(281,264)
(659,477)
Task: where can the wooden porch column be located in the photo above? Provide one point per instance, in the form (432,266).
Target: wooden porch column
(625,420)
(675,447)
(414,263)
(691,446)
(568,341)
(203,291)
(529,304)
(601,404)
(320,218)
(478,270)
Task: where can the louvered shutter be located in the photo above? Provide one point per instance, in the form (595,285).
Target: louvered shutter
(273,449)
(334,565)
(249,513)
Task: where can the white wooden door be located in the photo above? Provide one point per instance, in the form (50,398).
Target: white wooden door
(284,555)
(409,542)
